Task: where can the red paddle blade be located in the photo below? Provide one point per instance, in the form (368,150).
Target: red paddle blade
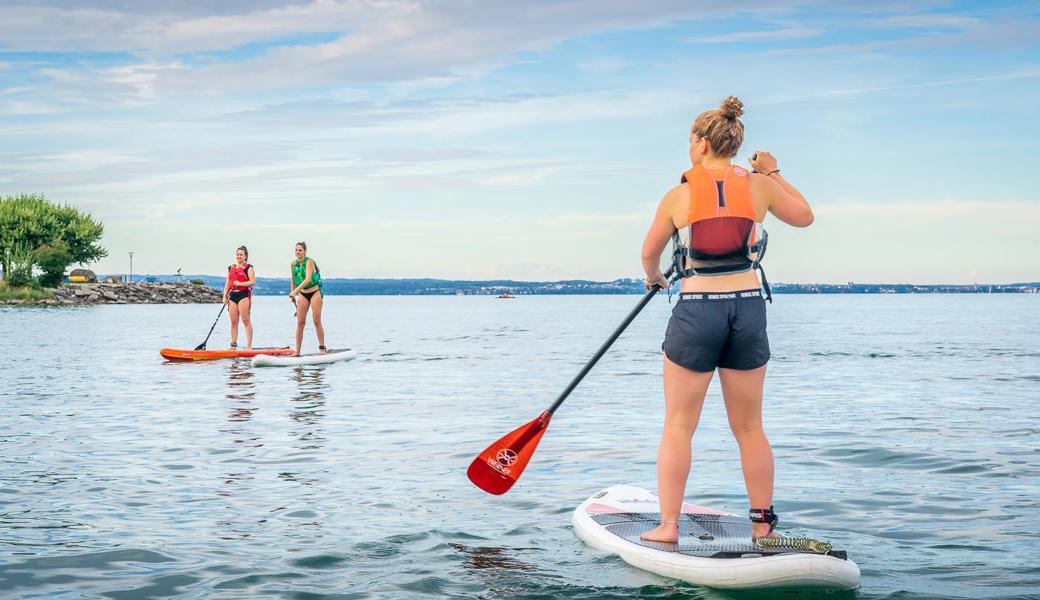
(498,467)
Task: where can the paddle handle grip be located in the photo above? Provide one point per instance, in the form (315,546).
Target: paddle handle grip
(607,344)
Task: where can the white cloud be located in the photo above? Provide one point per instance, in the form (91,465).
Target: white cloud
(767,35)
(525,227)
(417,26)
(28,108)
(928,21)
(996,33)
(148,28)
(918,241)
(604,65)
(921,241)
(380,41)
(803,96)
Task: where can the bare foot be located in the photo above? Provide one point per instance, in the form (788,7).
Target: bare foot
(665,533)
(762,530)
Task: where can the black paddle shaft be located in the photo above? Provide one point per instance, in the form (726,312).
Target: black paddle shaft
(202,346)
(607,344)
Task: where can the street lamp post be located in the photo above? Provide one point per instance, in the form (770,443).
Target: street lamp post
(131,267)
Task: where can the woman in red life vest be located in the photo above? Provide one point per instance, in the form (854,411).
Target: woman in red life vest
(238,295)
(719,322)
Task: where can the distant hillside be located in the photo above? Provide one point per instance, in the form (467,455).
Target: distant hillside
(272,286)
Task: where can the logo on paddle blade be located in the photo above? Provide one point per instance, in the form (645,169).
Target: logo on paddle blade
(494,464)
(506,457)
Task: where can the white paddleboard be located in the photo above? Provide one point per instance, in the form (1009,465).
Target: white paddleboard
(331,356)
(715,547)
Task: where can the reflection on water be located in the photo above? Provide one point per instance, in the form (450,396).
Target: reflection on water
(241,394)
(499,570)
(309,399)
(241,390)
(307,409)
(492,557)
(240,384)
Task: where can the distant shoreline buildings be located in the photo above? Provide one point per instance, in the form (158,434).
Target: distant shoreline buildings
(273,286)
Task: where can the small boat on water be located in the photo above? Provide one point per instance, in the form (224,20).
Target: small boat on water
(505,296)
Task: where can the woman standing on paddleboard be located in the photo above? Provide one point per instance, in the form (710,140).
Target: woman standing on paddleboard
(719,322)
(306,294)
(238,295)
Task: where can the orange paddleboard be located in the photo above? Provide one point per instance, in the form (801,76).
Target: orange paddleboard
(175,354)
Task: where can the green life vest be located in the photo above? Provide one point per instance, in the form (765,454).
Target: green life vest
(299,273)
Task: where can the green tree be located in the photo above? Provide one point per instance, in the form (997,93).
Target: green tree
(55,235)
(52,260)
(18,268)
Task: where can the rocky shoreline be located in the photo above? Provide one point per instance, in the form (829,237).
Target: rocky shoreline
(122,293)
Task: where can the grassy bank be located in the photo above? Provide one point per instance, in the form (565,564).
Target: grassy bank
(29,294)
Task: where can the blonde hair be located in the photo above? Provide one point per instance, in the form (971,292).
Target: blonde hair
(722,127)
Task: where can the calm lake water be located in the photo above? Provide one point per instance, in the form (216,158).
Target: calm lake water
(906,431)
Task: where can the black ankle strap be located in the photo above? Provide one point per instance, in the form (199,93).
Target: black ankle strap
(764,515)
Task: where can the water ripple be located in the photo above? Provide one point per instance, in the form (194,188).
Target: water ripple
(904,430)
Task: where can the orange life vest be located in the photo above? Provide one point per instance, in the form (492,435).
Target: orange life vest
(722,234)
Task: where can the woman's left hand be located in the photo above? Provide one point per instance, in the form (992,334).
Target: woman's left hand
(762,162)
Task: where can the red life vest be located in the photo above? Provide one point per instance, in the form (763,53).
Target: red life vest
(722,235)
(240,273)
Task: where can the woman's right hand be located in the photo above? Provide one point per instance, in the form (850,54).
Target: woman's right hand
(657,279)
(762,162)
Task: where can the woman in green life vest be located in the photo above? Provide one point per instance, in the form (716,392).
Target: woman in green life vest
(306,294)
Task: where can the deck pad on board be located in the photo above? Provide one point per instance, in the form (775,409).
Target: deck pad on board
(707,535)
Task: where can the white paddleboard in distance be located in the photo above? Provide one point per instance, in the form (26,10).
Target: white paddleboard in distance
(714,550)
(331,356)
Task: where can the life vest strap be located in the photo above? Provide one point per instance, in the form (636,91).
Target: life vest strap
(765,284)
(680,254)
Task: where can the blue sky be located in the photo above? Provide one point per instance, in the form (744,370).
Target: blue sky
(523,140)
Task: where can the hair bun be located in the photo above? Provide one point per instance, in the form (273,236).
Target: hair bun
(731,107)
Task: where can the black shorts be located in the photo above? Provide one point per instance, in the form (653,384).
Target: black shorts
(725,330)
(237,296)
